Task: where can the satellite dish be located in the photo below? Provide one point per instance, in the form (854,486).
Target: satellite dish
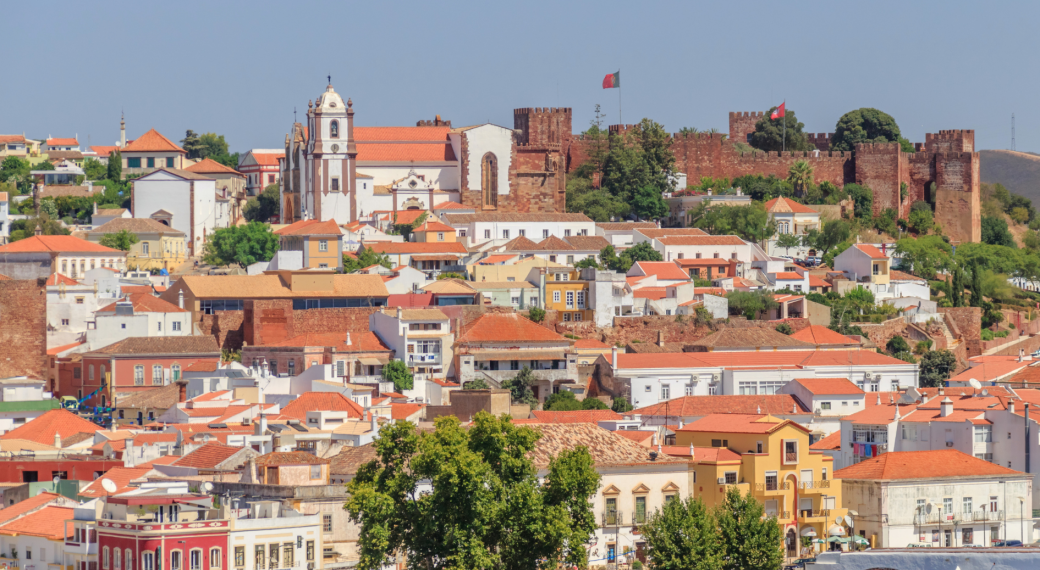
(974,383)
(837,520)
(848,521)
(109,485)
(853,513)
(207,486)
(928,508)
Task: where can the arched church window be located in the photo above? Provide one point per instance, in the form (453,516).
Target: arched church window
(489,180)
(334,129)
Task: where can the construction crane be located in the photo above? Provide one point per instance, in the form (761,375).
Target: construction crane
(101,415)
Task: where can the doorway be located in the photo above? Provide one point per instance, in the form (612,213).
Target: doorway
(791,541)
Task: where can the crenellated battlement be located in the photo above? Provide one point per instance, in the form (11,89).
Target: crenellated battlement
(956,140)
(540,110)
(747,114)
(878,148)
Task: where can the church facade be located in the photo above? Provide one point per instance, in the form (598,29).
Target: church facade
(333,170)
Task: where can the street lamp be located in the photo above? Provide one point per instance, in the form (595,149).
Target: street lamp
(1022,520)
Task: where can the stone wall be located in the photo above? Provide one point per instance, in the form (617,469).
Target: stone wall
(270,321)
(225,326)
(23,328)
(880,333)
(965,323)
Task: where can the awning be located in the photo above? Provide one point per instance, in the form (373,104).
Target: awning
(435,257)
(377,361)
(808,531)
(837,539)
(860,540)
(836,530)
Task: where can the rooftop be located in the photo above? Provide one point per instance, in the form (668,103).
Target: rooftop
(783,205)
(207,456)
(575,417)
(508,327)
(275,287)
(210,166)
(935,464)
(606,447)
(739,423)
(134,226)
(56,244)
(321,401)
(505,217)
(829,386)
(162,345)
(43,428)
(152,141)
(688,406)
(820,335)
(311,228)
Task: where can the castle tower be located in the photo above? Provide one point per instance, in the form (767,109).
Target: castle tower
(540,167)
(329,160)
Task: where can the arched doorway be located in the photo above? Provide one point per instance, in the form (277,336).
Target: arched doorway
(489,180)
(791,543)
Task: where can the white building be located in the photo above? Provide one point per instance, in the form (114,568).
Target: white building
(942,498)
(5,211)
(140,315)
(792,217)
(261,168)
(703,247)
(180,199)
(610,295)
(420,337)
(478,228)
(621,235)
(262,523)
(70,308)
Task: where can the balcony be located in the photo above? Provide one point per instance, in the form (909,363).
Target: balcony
(814,487)
(780,515)
(814,515)
(424,359)
(613,518)
(937,518)
(773,488)
(982,515)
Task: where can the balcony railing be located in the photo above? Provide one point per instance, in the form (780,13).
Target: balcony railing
(424,359)
(771,487)
(613,518)
(814,513)
(818,486)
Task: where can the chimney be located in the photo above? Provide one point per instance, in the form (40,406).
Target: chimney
(660,338)
(1011,406)
(613,357)
(400,313)
(691,452)
(1021,354)
(182,390)
(372,418)
(38,230)
(945,407)
(180,298)
(57,440)
(348,339)
(128,454)
(95,208)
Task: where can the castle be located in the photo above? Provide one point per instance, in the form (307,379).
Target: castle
(333,170)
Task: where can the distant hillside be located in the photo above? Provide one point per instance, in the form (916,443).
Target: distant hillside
(1018,171)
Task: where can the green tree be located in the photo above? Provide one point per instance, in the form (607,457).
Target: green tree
(885,222)
(957,288)
(93,169)
(49,206)
(596,203)
(264,206)
(483,505)
(897,344)
(800,175)
(478,384)
(864,126)
(21,229)
(536,314)
(749,539)
(405,230)
(624,169)
(832,233)
(648,203)
(121,240)
(397,371)
(519,387)
(977,297)
(244,245)
(587,262)
(750,303)
(750,222)
(449,275)
(593,404)
(920,219)
(562,401)
(769,134)
(995,231)
(924,256)
(364,257)
(192,145)
(14,166)
(784,328)
(787,241)
(621,405)
(115,166)
(862,199)
(656,144)
(936,368)
(683,536)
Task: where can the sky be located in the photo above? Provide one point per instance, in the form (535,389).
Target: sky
(240,68)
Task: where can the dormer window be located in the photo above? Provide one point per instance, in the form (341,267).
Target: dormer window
(334,129)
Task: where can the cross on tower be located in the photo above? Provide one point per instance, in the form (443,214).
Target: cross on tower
(330,79)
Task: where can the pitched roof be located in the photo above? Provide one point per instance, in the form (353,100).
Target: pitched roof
(514,217)
(449,205)
(434,227)
(688,406)
(266,158)
(103,151)
(757,337)
(626,226)
(210,166)
(787,276)
(656,233)
(781,205)
(42,428)
(4,139)
(134,226)
(290,458)
(655,293)
(410,247)
(360,341)
(145,303)
(272,286)
(32,503)
(121,476)
(576,416)
(419,314)
(152,141)
(350,459)
(55,279)
(606,447)
(321,401)
(553,243)
(62,142)
(829,386)
(830,443)
(665,270)
(701,240)
(508,327)
(934,464)
(520,243)
(48,522)
(739,423)
(207,456)
(56,244)
(870,250)
(588,243)
(817,281)
(493,259)
(896,275)
(163,345)
(589,343)
(820,335)
(450,287)
(159,398)
(311,228)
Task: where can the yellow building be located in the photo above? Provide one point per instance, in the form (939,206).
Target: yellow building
(525,269)
(320,242)
(158,246)
(434,232)
(567,293)
(771,459)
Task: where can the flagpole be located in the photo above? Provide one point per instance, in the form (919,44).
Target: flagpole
(784,119)
(620,121)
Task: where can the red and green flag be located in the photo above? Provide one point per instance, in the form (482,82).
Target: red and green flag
(612,80)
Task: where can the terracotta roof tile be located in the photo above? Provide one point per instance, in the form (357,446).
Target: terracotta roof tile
(449,205)
(360,341)
(606,447)
(210,166)
(311,228)
(207,456)
(664,270)
(642,437)
(273,287)
(196,345)
(739,423)
(654,293)
(749,337)
(870,250)
(350,459)
(134,226)
(411,247)
(520,243)
(290,458)
(656,233)
(48,522)
(59,349)
(58,279)
(493,259)
(829,386)
(576,416)
(152,141)
(146,303)
(590,343)
(896,275)
(936,464)
(821,336)
(42,428)
(404,410)
(121,476)
(689,406)
(435,227)
(788,276)
(321,401)
(60,244)
(62,142)
(103,151)
(553,243)
(450,287)
(829,443)
(781,205)
(701,240)
(514,217)
(510,327)
(587,243)
(30,504)
(626,226)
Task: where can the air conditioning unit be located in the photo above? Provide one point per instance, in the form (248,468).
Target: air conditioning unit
(877,377)
(722,480)
(949,444)
(816,411)
(716,377)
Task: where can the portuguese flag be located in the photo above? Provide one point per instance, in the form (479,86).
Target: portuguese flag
(612,80)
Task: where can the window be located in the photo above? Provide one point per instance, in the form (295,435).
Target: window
(258,557)
(566,233)
(326,523)
(272,555)
(556,296)
(611,510)
(983,434)
(117,558)
(790,452)
(151,162)
(147,560)
(577,316)
(133,163)
(334,129)
(315,472)
(505,234)
(157,375)
(287,555)
(948,505)
(139,375)
(160,326)
(570,299)
(967,536)
(440,236)
(514,300)
(310,551)
(240,556)
(771,481)
(730,477)
(169,162)
(90,372)
(993,504)
(176,326)
(104,558)
(270,178)
(877,269)
(487,234)
(823,473)
(566,317)
(666,392)
(327,552)
(323,266)
(323,245)
(698,256)
(292,368)
(335,184)
(489,180)
(640,513)
(825,405)
(570,260)
(545,234)
(65,322)
(966,505)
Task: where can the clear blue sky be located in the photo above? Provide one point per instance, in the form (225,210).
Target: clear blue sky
(239,68)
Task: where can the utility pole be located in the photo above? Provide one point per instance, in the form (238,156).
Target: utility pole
(1012,131)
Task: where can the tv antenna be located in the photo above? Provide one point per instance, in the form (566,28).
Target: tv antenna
(1012,131)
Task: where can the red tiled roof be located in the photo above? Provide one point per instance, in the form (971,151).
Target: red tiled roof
(405,152)
(870,250)
(788,275)
(146,303)
(48,522)
(511,327)
(121,476)
(403,410)
(59,349)
(266,158)
(26,505)
(817,281)
(821,335)
(410,247)
(43,428)
(207,456)
(210,166)
(576,416)
(153,438)
(360,341)
(664,270)
(59,244)
(62,142)
(322,401)
(831,442)
(802,358)
(435,227)
(638,436)
(991,371)
(705,454)
(701,240)
(416,134)
(687,406)
(656,232)
(290,458)
(311,228)
(449,205)
(589,343)
(739,423)
(655,293)
(829,386)
(493,259)
(152,141)
(210,396)
(164,460)
(935,464)
(4,139)
(203,366)
(783,205)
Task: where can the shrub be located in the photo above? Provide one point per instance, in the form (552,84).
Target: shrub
(536,314)
(784,328)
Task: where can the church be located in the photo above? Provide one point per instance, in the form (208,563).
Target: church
(333,170)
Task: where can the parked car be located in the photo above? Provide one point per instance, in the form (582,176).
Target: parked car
(919,545)
(799,564)
(1008,543)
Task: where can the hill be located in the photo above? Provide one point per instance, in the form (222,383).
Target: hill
(1018,171)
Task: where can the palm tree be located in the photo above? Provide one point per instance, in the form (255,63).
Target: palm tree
(801,176)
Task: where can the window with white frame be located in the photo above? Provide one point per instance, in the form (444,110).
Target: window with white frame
(156,375)
(117,558)
(148,560)
(175,560)
(570,299)
(581,299)
(214,558)
(195,559)
(104,558)
(984,434)
(129,559)
(323,245)
(556,296)
(139,375)
(666,392)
